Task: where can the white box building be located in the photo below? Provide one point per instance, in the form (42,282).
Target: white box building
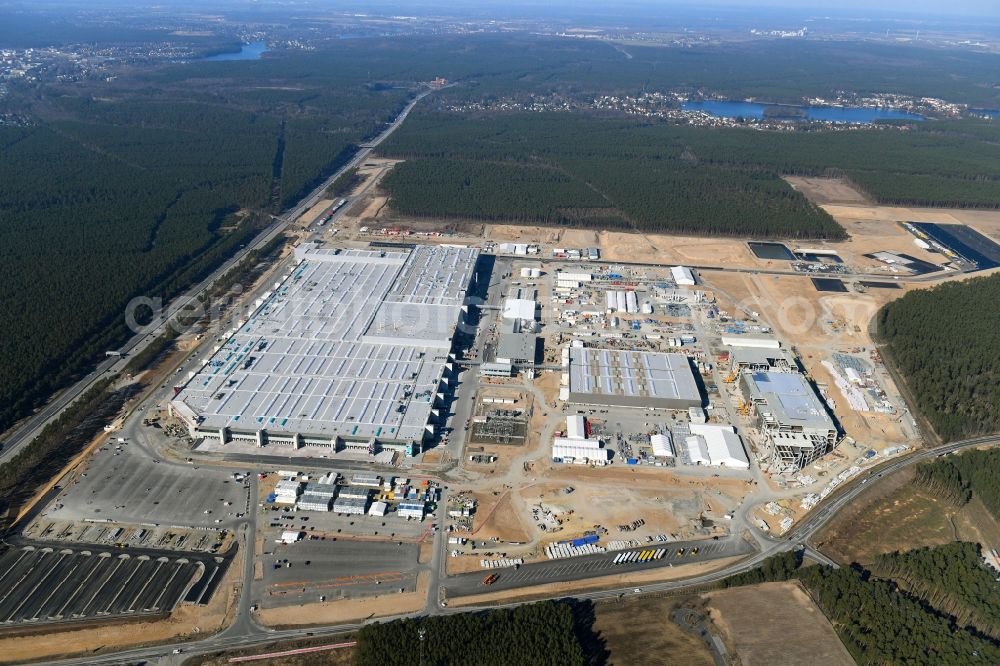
(580,449)
(662,445)
(519,308)
(411,509)
(722,446)
(683,277)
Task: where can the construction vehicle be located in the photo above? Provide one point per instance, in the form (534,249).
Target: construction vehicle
(731,378)
(492,578)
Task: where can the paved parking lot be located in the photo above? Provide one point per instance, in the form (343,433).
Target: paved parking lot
(336,569)
(132,489)
(590,566)
(57,584)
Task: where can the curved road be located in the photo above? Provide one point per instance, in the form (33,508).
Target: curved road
(244,632)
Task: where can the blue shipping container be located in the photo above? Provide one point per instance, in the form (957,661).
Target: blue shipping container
(632,461)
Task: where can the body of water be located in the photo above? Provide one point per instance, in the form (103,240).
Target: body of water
(247,52)
(835,114)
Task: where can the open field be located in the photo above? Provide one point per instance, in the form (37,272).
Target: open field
(639,630)
(894,515)
(827,190)
(776,624)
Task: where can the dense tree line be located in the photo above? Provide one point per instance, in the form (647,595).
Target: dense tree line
(951,578)
(959,476)
(533,635)
(664,177)
(944,341)
(144,191)
(587,171)
(775,568)
(879,622)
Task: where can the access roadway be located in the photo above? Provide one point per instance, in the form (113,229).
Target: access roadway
(111,366)
(244,632)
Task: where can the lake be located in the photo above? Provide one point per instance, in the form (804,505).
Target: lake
(247,52)
(836,114)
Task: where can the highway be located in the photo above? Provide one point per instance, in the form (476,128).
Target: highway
(31,427)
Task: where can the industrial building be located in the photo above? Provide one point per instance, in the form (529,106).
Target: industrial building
(631,379)
(750,341)
(759,359)
(411,509)
(353,492)
(516,345)
(576,427)
(662,445)
(715,444)
(368,480)
(350,350)
(351,505)
(496,370)
(519,308)
(311,502)
(790,415)
(565,449)
(287,491)
(683,277)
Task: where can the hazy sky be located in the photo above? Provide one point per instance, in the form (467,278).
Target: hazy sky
(875,7)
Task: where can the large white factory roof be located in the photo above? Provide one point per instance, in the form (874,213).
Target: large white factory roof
(789,399)
(632,378)
(352,344)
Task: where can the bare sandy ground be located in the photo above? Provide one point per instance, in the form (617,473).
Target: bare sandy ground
(310,215)
(826,190)
(348,610)
(375,204)
(794,632)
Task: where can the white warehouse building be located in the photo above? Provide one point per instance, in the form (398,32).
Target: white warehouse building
(717,445)
(588,450)
(683,277)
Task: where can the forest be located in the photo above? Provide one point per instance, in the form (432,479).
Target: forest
(540,634)
(957,478)
(944,342)
(881,621)
(583,171)
(952,578)
(586,170)
(143,191)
